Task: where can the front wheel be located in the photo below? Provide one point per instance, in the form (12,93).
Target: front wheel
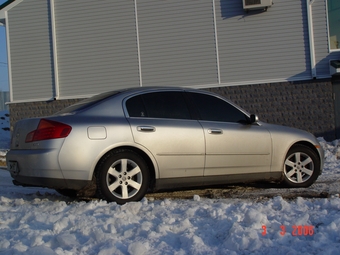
(301,167)
(122,176)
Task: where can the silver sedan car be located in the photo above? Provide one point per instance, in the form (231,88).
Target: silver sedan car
(120,145)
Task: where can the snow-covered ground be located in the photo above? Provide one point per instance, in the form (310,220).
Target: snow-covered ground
(39,221)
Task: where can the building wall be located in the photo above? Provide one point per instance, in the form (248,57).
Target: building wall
(107,45)
(20,111)
(96,46)
(306,105)
(31,61)
(177,43)
(214,44)
(263,46)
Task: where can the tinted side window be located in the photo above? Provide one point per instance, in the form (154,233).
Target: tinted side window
(168,105)
(136,107)
(214,109)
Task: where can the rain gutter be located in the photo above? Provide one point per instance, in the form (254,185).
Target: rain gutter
(311,37)
(55,52)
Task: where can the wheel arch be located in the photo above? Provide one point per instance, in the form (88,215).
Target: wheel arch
(281,154)
(286,181)
(307,144)
(140,152)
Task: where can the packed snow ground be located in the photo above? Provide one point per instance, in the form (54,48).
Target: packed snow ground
(39,221)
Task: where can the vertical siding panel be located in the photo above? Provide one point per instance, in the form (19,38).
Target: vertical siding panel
(97,46)
(263,45)
(177,42)
(31,60)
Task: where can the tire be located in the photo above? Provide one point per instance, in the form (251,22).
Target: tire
(122,176)
(301,167)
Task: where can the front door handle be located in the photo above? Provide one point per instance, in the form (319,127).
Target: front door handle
(215,131)
(146,129)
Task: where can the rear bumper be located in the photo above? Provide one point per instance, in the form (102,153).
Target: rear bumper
(34,163)
(51,183)
(39,168)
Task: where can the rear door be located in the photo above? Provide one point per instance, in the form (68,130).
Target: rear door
(161,122)
(232,145)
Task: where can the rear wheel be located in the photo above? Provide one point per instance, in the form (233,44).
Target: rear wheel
(301,167)
(122,176)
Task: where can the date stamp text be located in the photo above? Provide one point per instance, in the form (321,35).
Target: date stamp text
(297,230)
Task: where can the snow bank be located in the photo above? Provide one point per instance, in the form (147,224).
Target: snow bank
(46,224)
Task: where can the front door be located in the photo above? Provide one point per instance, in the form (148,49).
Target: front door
(233,146)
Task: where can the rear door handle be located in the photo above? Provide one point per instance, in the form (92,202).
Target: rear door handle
(215,131)
(146,129)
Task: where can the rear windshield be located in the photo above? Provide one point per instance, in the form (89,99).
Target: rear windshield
(86,103)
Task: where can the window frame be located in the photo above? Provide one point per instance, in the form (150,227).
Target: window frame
(231,104)
(191,106)
(329,25)
(190,115)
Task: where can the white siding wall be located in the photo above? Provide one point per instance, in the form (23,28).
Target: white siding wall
(177,42)
(97,45)
(263,46)
(31,58)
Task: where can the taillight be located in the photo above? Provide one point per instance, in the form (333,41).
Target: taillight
(48,129)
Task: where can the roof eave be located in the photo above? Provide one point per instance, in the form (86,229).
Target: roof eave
(5,7)
(8,2)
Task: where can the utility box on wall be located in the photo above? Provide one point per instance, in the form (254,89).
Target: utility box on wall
(249,5)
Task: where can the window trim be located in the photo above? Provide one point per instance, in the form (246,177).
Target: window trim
(127,115)
(218,97)
(194,114)
(328,31)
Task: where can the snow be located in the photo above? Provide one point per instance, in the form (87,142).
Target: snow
(40,221)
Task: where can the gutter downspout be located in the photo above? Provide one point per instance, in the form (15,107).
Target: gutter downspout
(55,55)
(311,37)
(216,46)
(138,48)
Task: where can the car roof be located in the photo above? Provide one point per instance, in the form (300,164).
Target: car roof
(134,90)
(150,88)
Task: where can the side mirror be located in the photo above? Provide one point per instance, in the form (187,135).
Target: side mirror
(253,118)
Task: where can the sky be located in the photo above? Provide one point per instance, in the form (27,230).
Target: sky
(3,59)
